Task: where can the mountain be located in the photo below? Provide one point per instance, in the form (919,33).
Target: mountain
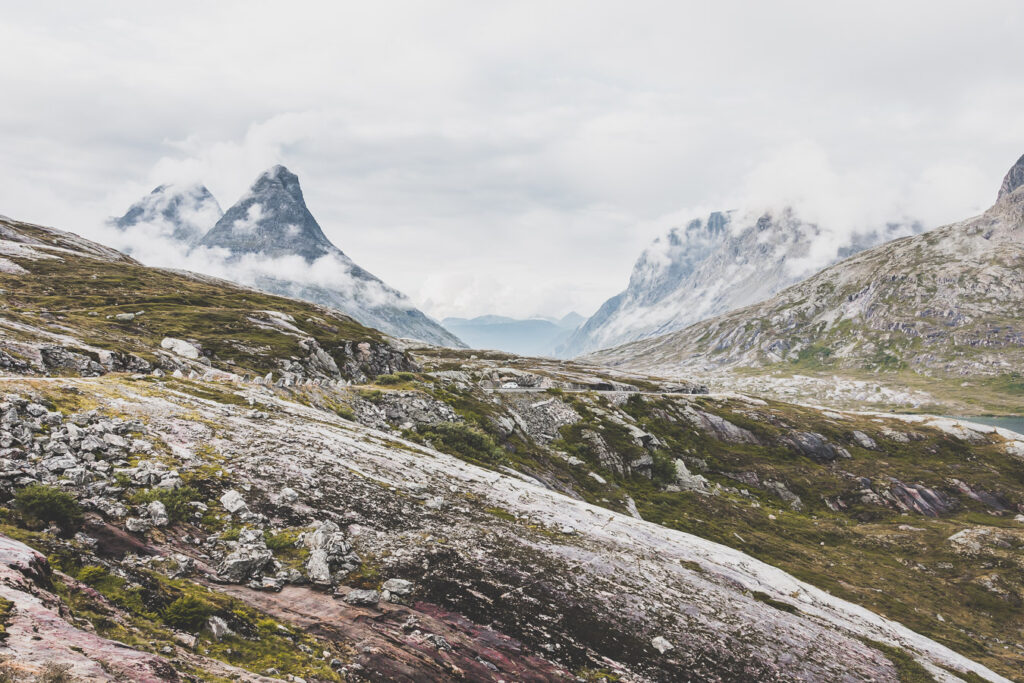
(527,337)
(270,240)
(171,513)
(713,265)
(180,212)
(271,219)
(944,304)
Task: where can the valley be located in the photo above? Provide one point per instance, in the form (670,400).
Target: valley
(306,485)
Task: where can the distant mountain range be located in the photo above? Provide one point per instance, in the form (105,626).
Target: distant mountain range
(270,240)
(947,303)
(526,337)
(717,264)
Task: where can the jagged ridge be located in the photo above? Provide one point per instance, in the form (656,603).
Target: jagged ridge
(713,265)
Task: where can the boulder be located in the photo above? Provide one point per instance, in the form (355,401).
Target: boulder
(393,590)
(218,628)
(661,644)
(180,347)
(687,481)
(233,502)
(318,567)
(815,446)
(358,596)
(249,558)
(158,513)
(864,441)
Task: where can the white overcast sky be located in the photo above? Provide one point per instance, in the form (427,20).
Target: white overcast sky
(513,158)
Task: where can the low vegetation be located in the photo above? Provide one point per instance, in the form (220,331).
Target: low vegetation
(40,505)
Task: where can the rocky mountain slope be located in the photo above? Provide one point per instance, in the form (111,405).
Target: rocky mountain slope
(714,265)
(269,239)
(526,337)
(945,304)
(70,305)
(457,515)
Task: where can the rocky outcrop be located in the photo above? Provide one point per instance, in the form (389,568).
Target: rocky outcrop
(815,446)
(37,636)
(719,427)
(330,555)
(247,560)
(364,360)
(1014,178)
(408,409)
(539,417)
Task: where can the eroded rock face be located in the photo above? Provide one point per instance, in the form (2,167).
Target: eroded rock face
(1014,179)
(921,499)
(540,417)
(816,447)
(57,358)
(410,408)
(248,559)
(478,546)
(721,428)
(38,635)
(330,555)
(365,360)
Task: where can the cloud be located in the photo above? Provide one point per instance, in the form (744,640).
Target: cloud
(466,151)
(153,244)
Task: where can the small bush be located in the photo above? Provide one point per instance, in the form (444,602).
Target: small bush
(188,613)
(281,542)
(663,471)
(371,395)
(40,505)
(6,607)
(176,501)
(92,574)
(463,441)
(55,673)
(8,674)
(396,378)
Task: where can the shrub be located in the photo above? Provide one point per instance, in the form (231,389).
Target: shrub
(396,378)
(663,470)
(6,607)
(282,541)
(188,613)
(55,673)
(40,505)
(92,574)
(176,501)
(464,441)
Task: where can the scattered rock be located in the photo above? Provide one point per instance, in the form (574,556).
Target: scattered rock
(358,596)
(233,502)
(864,441)
(661,645)
(158,513)
(180,347)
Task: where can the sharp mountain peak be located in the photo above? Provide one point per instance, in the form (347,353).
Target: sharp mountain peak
(271,219)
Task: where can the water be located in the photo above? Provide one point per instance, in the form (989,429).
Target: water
(1013,423)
